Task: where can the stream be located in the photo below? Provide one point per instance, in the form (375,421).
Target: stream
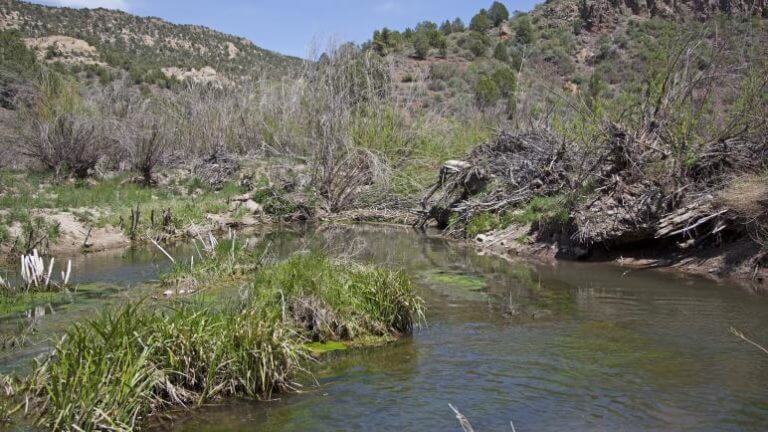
(570,346)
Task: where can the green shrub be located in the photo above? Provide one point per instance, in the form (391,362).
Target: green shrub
(17,64)
(443,71)
(524,32)
(487,92)
(506,80)
(478,44)
(501,53)
(421,45)
(441,43)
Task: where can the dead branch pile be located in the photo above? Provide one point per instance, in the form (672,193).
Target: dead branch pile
(511,169)
(616,197)
(216,169)
(626,202)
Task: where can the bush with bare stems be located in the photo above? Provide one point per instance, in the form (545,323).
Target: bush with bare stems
(343,83)
(747,196)
(67,144)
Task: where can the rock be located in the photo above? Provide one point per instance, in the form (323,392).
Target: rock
(253,207)
(168,294)
(481,238)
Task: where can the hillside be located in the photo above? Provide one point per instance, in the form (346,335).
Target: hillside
(144,46)
(590,47)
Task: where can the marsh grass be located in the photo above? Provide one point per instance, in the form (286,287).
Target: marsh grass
(112,372)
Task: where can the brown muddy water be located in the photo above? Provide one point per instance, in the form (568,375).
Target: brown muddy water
(578,347)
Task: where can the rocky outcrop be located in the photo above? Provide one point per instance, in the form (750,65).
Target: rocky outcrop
(598,15)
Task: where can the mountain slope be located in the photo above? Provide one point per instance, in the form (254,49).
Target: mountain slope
(121,40)
(575,46)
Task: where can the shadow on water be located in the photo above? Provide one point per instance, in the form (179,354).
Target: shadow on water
(581,347)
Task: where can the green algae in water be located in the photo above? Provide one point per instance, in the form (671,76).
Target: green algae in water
(558,301)
(456,286)
(458,280)
(319,348)
(599,345)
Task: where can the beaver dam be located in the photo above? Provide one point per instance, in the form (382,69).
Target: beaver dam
(323,330)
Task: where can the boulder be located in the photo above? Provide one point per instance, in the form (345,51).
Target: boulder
(253,207)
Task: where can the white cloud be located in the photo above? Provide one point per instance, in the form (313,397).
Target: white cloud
(90,4)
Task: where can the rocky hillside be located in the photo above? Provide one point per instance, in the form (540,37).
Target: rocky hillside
(146,47)
(594,47)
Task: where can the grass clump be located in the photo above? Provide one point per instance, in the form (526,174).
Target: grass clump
(114,371)
(484,222)
(333,301)
(545,209)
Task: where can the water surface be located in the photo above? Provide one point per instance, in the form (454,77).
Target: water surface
(578,347)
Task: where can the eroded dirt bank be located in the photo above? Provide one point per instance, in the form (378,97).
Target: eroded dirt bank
(622,200)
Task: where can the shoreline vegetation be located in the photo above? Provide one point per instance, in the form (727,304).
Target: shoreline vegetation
(581,137)
(247,331)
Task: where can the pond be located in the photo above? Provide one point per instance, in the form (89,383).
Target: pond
(573,346)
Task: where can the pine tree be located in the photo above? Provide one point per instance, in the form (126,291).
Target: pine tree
(446,28)
(458,25)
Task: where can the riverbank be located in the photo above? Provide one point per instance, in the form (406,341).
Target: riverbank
(740,262)
(64,217)
(732,263)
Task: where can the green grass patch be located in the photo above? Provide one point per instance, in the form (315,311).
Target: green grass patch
(484,222)
(545,209)
(104,202)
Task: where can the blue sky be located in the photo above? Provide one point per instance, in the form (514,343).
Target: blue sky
(291,26)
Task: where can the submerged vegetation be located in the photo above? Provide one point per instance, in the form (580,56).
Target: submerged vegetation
(113,371)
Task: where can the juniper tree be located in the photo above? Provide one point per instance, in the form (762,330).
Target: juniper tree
(480,22)
(498,13)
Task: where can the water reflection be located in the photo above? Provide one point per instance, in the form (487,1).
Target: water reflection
(571,346)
